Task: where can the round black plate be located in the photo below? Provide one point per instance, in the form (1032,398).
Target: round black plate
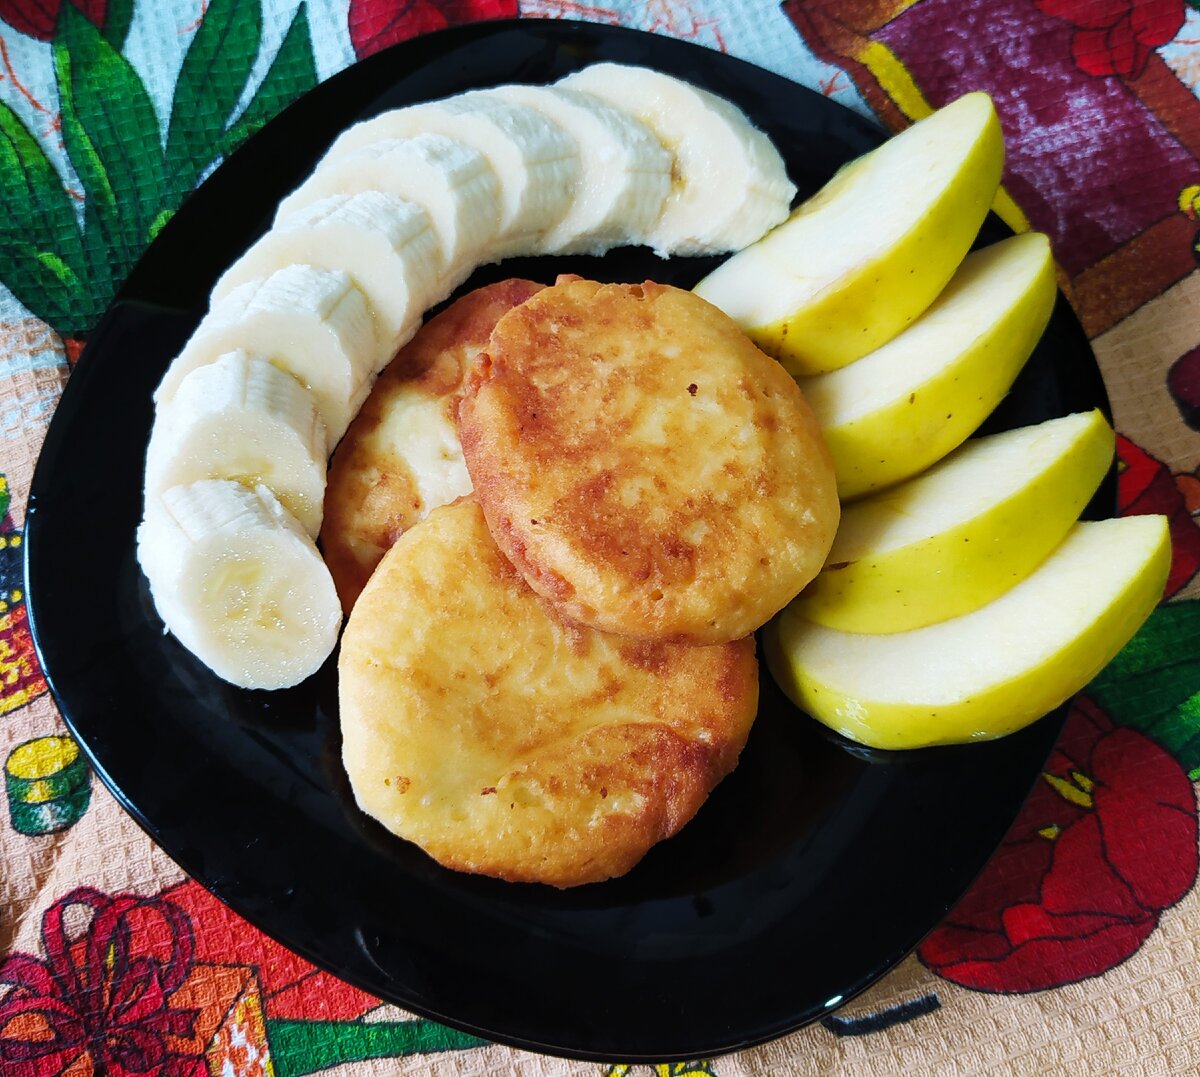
(810,872)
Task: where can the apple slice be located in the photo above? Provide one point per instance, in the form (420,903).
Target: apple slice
(989,672)
(910,402)
(861,259)
(964,532)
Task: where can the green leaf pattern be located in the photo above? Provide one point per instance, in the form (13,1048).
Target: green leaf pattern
(215,70)
(111,133)
(133,180)
(40,241)
(299,1048)
(1151,684)
(39,209)
(116,24)
(41,280)
(292,72)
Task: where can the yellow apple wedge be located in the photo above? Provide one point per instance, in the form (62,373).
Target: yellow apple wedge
(860,260)
(989,672)
(906,405)
(963,532)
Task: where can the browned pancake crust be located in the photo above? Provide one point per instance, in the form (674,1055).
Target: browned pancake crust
(644,465)
(373,495)
(506,741)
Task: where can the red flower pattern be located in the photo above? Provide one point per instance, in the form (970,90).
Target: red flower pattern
(102,996)
(1146,486)
(1115,37)
(292,988)
(1106,842)
(38,18)
(375,25)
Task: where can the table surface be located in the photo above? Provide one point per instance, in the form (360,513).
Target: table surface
(1076,948)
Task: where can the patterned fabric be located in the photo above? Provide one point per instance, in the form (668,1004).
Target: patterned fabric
(1076,949)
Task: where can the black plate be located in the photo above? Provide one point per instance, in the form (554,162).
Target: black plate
(811,871)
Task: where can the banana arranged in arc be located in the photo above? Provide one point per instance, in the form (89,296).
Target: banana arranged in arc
(535,161)
(451,181)
(239,582)
(625,171)
(243,419)
(313,323)
(387,245)
(399,212)
(730,182)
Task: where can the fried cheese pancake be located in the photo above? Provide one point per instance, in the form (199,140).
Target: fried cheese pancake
(506,741)
(643,465)
(401,456)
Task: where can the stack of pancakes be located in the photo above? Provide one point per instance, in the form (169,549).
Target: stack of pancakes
(556,524)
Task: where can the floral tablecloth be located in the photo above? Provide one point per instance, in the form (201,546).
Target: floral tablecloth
(1076,951)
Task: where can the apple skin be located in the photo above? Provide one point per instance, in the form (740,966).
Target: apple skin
(962,533)
(990,672)
(900,409)
(861,259)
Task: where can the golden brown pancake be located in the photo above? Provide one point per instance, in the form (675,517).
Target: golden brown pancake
(401,456)
(505,741)
(643,465)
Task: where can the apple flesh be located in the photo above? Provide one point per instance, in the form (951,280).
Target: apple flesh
(989,672)
(962,533)
(900,409)
(861,259)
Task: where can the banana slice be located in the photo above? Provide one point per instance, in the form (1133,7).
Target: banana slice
(452,181)
(535,160)
(313,323)
(387,245)
(625,175)
(243,419)
(238,581)
(730,182)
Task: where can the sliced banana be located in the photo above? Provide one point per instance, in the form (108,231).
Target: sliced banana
(625,173)
(313,323)
(401,211)
(534,159)
(730,182)
(387,245)
(243,419)
(452,181)
(238,581)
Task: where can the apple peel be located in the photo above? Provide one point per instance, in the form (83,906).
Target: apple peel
(990,672)
(902,408)
(839,278)
(959,535)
